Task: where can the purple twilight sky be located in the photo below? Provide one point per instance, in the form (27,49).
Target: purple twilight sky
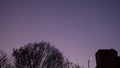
(77,27)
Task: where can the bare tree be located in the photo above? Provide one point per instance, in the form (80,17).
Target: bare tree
(9,65)
(69,64)
(54,59)
(3,59)
(38,55)
(41,55)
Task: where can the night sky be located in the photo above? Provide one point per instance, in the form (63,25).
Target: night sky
(77,27)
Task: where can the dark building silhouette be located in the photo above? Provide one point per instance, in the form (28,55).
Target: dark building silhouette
(119,62)
(107,58)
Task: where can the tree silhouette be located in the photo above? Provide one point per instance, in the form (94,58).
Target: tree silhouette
(38,55)
(41,55)
(54,59)
(3,59)
(9,65)
(69,64)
